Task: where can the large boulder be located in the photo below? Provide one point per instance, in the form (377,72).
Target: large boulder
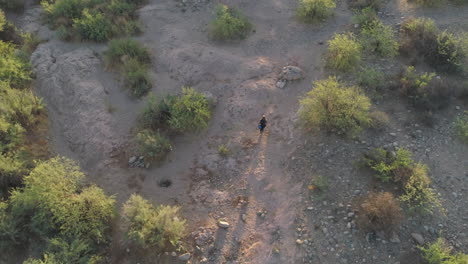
(73,91)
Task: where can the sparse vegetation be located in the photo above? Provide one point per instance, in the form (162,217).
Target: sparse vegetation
(461,127)
(315,10)
(365,16)
(12,4)
(430,3)
(344,52)
(440,252)
(230,24)
(380,120)
(152,227)
(379,38)
(334,107)
(371,79)
(399,167)
(361,4)
(379,212)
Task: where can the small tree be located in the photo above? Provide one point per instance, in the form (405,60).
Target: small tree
(344,52)
(229,24)
(150,226)
(315,10)
(335,108)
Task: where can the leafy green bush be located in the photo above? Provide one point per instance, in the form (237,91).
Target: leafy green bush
(9,233)
(189,112)
(371,78)
(2,20)
(13,70)
(150,226)
(344,52)
(378,38)
(412,176)
(136,77)
(93,26)
(153,144)
(452,53)
(121,50)
(379,212)
(54,200)
(361,4)
(155,114)
(423,91)
(461,127)
(229,24)
(441,253)
(315,10)
(334,107)
(365,16)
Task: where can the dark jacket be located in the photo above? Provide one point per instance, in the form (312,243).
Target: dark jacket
(263,122)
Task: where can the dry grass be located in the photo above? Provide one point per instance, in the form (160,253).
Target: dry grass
(379,212)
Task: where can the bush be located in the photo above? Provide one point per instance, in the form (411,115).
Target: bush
(229,24)
(223,150)
(461,127)
(155,114)
(379,120)
(315,10)
(335,108)
(13,70)
(442,50)
(378,38)
(152,144)
(136,77)
(441,253)
(365,16)
(2,20)
(9,233)
(93,26)
(423,91)
(189,112)
(379,212)
(54,200)
(12,170)
(412,177)
(344,52)
(150,226)
(371,78)
(361,4)
(121,50)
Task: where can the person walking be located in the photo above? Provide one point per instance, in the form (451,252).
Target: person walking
(262,124)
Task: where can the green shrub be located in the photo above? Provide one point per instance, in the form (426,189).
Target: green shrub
(315,10)
(153,144)
(72,250)
(121,50)
(441,253)
(54,200)
(20,106)
(461,127)
(371,78)
(13,70)
(361,4)
(423,91)
(365,16)
(122,8)
(12,170)
(93,26)
(155,114)
(336,108)
(378,38)
(229,24)
(399,167)
(136,77)
(189,112)
(9,233)
(320,183)
(2,20)
(149,226)
(223,150)
(344,52)
(452,53)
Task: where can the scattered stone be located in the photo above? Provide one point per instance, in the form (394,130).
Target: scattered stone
(244,217)
(185,257)
(395,238)
(291,73)
(223,224)
(174,254)
(281,84)
(132,160)
(418,238)
(393,134)
(457,107)
(299,242)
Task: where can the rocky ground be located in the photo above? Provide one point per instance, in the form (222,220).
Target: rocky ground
(252,206)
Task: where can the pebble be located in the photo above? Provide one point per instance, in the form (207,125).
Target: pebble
(223,224)
(418,238)
(185,257)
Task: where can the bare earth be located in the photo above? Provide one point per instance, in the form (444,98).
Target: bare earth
(260,189)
